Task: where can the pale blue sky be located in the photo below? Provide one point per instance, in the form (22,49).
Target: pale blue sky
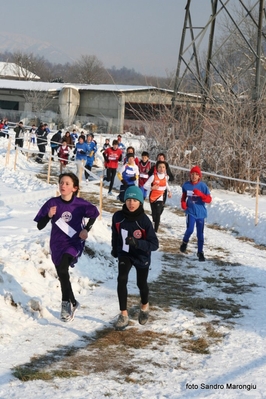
(140,34)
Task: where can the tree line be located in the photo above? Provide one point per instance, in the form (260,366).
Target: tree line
(88,69)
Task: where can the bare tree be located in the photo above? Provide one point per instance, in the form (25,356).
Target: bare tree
(88,70)
(40,100)
(27,64)
(222,140)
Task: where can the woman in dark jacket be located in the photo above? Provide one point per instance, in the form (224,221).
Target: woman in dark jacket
(55,142)
(133,239)
(68,139)
(19,137)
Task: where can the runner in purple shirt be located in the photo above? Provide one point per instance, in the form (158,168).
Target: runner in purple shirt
(69,232)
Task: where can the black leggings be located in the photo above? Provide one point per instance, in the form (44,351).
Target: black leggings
(87,175)
(110,175)
(156,211)
(63,274)
(124,267)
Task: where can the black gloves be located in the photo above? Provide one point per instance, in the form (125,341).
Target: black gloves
(129,241)
(114,253)
(124,182)
(82,152)
(132,242)
(133,178)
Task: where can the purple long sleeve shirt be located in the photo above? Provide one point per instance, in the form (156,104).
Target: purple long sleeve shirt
(67,223)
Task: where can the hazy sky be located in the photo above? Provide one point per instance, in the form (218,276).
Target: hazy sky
(140,34)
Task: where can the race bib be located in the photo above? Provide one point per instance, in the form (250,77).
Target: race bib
(65,227)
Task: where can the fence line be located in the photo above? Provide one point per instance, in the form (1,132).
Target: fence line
(216,175)
(100,180)
(172,167)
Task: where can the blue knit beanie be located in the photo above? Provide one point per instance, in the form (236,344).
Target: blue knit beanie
(134,192)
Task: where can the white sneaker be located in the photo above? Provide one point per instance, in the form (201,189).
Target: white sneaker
(144,316)
(66,312)
(122,322)
(74,309)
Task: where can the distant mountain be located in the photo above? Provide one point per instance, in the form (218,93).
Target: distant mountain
(12,42)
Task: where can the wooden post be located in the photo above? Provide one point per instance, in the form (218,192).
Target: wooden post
(8,151)
(257,201)
(80,169)
(28,152)
(49,169)
(16,156)
(101,198)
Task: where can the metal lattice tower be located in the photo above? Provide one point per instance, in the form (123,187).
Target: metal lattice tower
(237,12)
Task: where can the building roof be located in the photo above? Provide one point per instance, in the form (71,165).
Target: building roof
(12,70)
(29,85)
(48,86)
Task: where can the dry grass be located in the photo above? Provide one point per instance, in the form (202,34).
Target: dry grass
(216,227)
(261,247)
(109,349)
(29,374)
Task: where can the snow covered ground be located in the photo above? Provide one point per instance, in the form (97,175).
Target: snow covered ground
(30,299)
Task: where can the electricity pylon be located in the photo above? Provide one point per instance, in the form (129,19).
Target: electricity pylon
(192,36)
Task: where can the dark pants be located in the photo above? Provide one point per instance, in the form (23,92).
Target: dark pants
(110,176)
(63,274)
(124,267)
(157,208)
(53,150)
(19,142)
(41,148)
(85,172)
(191,221)
(2,134)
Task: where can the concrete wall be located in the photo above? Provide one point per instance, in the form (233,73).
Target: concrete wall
(111,105)
(149,97)
(98,103)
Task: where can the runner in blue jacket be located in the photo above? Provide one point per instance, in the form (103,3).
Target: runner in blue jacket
(133,239)
(195,194)
(92,149)
(81,150)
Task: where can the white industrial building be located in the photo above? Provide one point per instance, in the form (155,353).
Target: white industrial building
(106,105)
(24,96)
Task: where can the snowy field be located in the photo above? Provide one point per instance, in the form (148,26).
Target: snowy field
(235,365)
